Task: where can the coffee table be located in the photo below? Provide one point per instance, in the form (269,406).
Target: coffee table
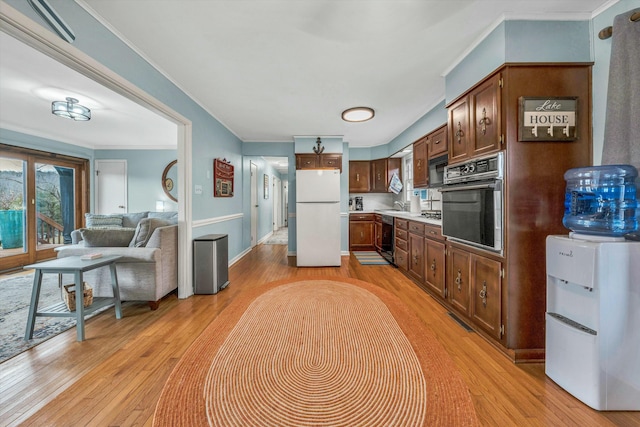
(76,266)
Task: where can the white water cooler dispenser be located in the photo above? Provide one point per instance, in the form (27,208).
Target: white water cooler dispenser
(593,319)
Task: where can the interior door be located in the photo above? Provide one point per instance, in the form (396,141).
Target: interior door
(254,204)
(111,186)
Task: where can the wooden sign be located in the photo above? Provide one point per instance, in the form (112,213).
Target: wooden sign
(222,178)
(548,119)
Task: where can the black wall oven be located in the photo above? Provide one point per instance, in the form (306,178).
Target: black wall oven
(472,203)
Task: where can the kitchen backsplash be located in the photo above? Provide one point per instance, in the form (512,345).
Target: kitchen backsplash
(373,201)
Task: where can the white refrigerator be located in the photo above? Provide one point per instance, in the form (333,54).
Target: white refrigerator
(318,231)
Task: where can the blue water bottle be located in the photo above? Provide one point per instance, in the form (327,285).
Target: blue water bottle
(601,200)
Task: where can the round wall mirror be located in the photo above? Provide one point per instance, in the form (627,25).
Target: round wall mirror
(169,180)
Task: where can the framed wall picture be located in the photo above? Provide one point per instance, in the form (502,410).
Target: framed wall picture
(548,118)
(266,186)
(222,178)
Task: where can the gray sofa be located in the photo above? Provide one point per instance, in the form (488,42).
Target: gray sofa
(148,243)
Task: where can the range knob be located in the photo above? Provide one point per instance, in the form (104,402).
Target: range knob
(472,167)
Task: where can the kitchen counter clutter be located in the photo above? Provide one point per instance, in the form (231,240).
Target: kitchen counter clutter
(402,214)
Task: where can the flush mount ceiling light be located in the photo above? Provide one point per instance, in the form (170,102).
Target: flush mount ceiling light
(70,109)
(358,114)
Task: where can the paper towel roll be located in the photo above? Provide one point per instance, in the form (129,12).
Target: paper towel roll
(415,204)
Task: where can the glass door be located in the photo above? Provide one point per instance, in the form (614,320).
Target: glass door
(43,198)
(13,194)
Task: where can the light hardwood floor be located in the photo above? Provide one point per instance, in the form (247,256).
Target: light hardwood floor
(114,378)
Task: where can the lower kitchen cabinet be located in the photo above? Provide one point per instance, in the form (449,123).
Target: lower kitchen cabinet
(415,239)
(458,284)
(361,232)
(434,276)
(401,246)
(486,300)
(377,232)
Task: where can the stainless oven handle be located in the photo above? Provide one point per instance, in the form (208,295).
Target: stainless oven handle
(467,187)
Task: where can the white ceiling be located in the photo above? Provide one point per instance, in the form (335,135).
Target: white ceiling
(270,70)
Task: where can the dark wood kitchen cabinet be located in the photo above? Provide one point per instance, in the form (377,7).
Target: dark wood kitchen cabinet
(486,294)
(475,125)
(415,266)
(401,247)
(458,274)
(319,161)
(382,171)
(420,163)
(438,142)
(434,275)
(507,295)
(359,176)
(361,232)
(377,232)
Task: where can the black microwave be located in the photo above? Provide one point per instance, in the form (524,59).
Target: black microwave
(436,171)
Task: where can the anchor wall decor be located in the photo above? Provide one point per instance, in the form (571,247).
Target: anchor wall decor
(318,149)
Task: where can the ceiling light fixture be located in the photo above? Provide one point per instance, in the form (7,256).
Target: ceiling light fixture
(358,114)
(70,109)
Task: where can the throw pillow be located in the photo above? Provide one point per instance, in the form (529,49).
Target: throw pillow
(107,237)
(96,220)
(132,219)
(170,216)
(144,230)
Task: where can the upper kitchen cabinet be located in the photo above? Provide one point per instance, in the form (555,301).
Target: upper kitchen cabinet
(437,140)
(319,161)
(420,160)
(475,121)
(382,171)
(359,176)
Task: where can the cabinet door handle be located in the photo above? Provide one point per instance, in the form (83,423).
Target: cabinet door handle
(459,280)
(361,234)
(459,133)
(433,265)
(419,163)
(379,177)
(358,177)
(483,293)
(484,121)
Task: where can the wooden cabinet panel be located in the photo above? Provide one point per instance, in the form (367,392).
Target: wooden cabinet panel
(458,130)
(307,161)
(319,161)
(416,228)
(486,299)
(401,259)
(433,232)
(458,285)
(416,257)
(361,232)
(401,224)
(438,144)
(420,163)
(359,176)
(486,118)
(402,234)
(402,244)
(331,161)
(434,276)
(381,172)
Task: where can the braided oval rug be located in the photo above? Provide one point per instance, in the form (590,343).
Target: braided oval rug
(317,352)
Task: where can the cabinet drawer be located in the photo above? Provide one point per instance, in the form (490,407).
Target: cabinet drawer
(416,228)
(401,234)
(361,217)
(433,232)
(401,259)
(438,141)
(402,244)
(331,161)
(402,224)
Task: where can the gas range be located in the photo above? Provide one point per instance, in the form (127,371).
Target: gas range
(432,214)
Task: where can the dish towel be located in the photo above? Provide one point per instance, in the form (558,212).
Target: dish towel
(622,126)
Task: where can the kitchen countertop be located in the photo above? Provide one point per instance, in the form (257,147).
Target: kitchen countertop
(402,214)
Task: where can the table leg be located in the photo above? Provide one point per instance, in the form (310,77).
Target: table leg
(33,308)
(116,290)
(79,306)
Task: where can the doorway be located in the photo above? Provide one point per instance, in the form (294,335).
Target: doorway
(42,198)
(254,204)
(111,186)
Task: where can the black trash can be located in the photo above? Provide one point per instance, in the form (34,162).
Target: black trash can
(210,263)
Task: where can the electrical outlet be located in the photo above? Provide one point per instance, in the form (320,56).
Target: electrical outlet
(198,189)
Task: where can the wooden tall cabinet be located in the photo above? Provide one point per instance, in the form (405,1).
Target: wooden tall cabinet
(503,295)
